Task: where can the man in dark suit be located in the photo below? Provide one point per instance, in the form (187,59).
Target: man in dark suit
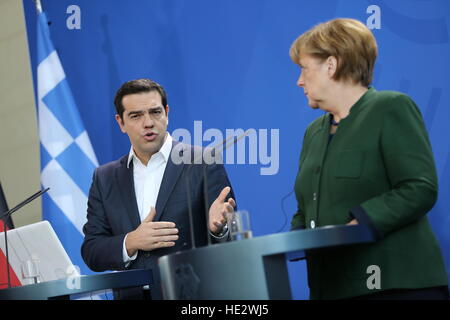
(138,208)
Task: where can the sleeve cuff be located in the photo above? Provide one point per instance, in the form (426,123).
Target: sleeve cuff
(221,237)
(363,218)
(127,259)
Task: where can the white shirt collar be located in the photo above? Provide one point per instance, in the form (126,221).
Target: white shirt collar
(164,151)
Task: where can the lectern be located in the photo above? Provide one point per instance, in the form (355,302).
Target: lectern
(250,269)
(60,289)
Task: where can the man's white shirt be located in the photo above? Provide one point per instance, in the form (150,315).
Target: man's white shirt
(147,182)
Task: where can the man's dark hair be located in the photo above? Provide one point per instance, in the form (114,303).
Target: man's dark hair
(138,86)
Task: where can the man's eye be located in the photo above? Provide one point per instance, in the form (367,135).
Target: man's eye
(135,116)
(156,111)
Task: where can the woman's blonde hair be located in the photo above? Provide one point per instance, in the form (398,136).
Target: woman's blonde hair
(348,40)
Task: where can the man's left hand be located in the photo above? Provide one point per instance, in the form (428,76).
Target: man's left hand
(219,209)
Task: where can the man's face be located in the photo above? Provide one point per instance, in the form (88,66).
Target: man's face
(145,122)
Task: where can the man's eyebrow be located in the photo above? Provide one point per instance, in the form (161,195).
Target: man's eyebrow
(135,112)
(142,111)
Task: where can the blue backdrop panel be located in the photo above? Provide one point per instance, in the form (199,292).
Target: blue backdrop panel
(226,63)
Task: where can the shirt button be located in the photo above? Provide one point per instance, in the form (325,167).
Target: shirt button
(314,196)
(313,224)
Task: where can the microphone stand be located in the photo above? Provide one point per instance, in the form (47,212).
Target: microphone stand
(6,215)
(6,222)
(205,189)
(205,185)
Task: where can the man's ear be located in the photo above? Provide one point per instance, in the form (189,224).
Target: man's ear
(167,114)
(120,123)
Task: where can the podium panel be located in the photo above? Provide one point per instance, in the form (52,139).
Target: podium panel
(64,288)
(250,269)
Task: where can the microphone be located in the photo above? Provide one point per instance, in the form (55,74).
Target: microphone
(6,215)
(228,142)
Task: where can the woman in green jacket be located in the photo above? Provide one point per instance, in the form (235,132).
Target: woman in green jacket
(367,160)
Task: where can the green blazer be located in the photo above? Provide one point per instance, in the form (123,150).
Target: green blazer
(379,169)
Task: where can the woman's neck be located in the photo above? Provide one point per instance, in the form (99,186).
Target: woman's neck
(344,97)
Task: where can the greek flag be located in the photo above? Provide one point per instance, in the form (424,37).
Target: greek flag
(67,158)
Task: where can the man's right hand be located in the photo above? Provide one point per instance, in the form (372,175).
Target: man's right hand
(151,235)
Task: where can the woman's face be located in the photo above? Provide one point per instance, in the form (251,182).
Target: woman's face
(314,78)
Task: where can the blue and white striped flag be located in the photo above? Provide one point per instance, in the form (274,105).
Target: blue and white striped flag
(67,158)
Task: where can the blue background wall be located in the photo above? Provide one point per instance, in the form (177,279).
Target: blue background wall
(226,63)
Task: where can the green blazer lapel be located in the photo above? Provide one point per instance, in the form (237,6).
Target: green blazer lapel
(324,136)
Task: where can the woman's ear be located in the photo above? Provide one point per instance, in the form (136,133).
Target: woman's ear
(331,66)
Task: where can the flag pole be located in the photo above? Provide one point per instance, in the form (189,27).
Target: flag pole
(38,5)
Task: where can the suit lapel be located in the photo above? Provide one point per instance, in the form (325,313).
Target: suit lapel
(170,178)
(125,182)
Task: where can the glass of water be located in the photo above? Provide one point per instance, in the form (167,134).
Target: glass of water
(239,225)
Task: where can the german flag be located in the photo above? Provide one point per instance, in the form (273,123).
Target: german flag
(8,223)
(3,208)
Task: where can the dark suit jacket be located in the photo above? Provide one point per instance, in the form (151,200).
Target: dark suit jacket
(113,212)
